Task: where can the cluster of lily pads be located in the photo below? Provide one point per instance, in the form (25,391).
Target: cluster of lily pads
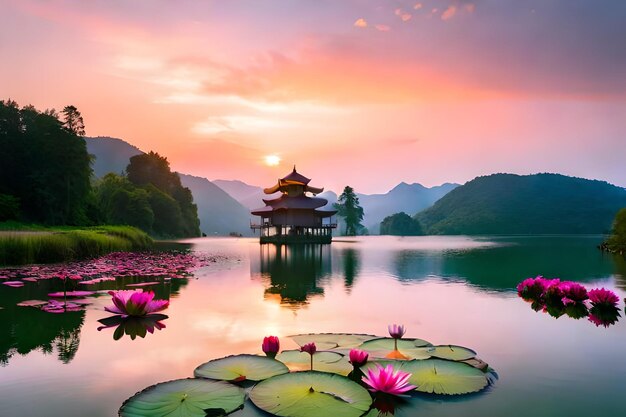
(332,374)
(79,277)
(557,298)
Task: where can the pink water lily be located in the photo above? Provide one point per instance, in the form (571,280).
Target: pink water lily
(396,331)
(358,357)
(603,296)
(387,380)
(270,346)
(309,348)
(135,303)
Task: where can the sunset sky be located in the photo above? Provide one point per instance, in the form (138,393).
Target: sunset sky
(361,92)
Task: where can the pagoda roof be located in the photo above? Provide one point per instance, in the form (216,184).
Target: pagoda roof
(282,183)
(299,202)
(294,177)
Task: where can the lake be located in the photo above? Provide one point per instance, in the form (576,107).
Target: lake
(447,290)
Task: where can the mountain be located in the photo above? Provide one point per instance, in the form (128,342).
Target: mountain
(408,198)
(249,196)
(218,212)
(111,154)
(525,204)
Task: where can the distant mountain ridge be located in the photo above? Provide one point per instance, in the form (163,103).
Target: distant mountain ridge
(525,204)
(249,196)
(218,212)
(409,198)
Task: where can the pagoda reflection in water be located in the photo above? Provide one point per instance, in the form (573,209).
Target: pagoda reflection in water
(292,273)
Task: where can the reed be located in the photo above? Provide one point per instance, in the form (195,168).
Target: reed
(46,246)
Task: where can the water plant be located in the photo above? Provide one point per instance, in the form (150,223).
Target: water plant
(388,380)
(56,245)
(279,390)
(270,346)
(135,303)
(559,298)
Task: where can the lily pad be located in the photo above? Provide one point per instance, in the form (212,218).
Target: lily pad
(184,398)
(445,377)
(61,294)
(241,368)
(321,340)
(322,361)
(451,352)
(311,394)
(410,348)
(32,303)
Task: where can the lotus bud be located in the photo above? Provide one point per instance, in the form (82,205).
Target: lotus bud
(270,346)
(358,357)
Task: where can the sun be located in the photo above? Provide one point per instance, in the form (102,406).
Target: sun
(272,160)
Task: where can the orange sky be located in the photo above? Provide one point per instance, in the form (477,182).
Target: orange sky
(366,93)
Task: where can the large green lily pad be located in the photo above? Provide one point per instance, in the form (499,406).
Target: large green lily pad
(410,348)
(322,361)
(444,377)
(342,340)
(240,368)
(311,394)
(451,352)
(184,398)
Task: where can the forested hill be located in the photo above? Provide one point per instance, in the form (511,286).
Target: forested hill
(525,204)
(218,212)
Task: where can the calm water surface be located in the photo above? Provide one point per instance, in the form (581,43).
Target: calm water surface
(447,290)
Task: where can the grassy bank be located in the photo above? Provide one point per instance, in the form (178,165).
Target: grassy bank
(42,245)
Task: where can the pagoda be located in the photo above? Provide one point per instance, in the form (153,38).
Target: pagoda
(294,217)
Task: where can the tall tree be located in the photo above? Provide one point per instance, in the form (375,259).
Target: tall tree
(72,120)
(43,165)
(348,207)
(174,210)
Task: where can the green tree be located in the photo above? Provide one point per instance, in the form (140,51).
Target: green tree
(72,120)
(44,165)
(400,224)
(617,241)
(121,202)
(348,207)
(153,170)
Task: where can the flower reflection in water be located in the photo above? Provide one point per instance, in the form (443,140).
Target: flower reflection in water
(133,326)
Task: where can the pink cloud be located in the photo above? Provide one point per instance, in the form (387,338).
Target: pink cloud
(360,23)
(448,13)
(382,28)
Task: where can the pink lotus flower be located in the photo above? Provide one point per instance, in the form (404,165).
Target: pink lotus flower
(358,357)
(309,348)
(396,331)
(573,291)
(532,288)
(603,296)
(135,303)
(387,380)
(271,346)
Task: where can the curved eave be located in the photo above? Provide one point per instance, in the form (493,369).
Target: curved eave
(325,213)
(301,202)
(282,184)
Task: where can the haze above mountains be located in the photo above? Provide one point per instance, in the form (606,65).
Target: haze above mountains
(224,205)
